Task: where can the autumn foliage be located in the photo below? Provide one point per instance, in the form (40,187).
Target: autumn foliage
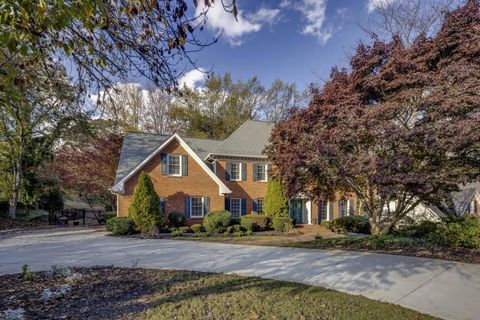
(89,169)
(400,126)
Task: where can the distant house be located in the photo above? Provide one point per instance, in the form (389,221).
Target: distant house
(195,176)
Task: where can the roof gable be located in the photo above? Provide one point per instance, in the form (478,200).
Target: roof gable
(249,140)
(130,164)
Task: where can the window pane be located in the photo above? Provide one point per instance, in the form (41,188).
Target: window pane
(174,167)
(235,207)
(322,210)
(261,172)
(260,205)
(234,171)
(196,207)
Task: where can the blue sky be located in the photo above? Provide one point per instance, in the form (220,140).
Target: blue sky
(293,40)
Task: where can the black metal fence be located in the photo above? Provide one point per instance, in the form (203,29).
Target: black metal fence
(77,217)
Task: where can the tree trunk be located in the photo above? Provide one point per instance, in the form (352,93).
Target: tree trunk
(13,204)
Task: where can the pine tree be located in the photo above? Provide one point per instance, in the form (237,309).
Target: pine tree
(276,202)
(145,207)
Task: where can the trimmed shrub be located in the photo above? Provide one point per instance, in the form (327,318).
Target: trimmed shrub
(176,219)
(282,224)
(356,224)
(247,224)
(120,226)
(145,208)
(254,222)
(276,201)
(197,228)
(464,234)
(107,216)
(422,230)
(217,221)
(180,231)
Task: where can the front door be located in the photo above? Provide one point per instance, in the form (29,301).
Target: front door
(296,210)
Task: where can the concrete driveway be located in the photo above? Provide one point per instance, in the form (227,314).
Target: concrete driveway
(445,289)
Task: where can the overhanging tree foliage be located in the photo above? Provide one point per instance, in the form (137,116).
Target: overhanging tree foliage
(100,41)
(400,128)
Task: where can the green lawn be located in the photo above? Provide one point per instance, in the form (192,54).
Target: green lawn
(209,296)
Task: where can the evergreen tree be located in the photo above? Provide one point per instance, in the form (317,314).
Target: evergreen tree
(145,207)
(276,202)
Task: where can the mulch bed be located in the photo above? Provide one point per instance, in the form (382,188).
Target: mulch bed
(436,252)
(93,293)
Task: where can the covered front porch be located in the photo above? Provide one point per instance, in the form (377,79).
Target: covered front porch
(307,211)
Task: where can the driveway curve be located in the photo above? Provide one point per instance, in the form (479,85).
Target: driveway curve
(449,290)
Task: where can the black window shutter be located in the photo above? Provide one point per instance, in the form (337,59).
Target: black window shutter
(187,207)
(164,164)
(244,171)
(255,205)
(243,210)
(227,204)
(255,171)
(184,165)
(162,204)
(227,171)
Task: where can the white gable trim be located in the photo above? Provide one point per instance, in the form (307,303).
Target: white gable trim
(119,186)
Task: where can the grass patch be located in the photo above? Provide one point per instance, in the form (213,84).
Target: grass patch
(98,293)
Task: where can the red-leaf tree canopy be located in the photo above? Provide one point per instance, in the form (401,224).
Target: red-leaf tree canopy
(401,127)
(89,169)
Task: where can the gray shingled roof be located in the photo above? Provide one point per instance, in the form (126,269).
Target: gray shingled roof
(250,139)
(137,146)
(462,198)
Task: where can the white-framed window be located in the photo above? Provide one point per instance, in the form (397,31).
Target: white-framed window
(197,207)
(260,203)
(261,172)
(174,164)
(235,171)
(235,207)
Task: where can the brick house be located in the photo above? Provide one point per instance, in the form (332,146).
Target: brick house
(195,176)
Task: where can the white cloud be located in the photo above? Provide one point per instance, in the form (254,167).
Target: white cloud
(192,78)
(219,20)
(372,5)
(313,12)
(265,15)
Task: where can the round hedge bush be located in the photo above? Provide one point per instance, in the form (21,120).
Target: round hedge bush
(120,226)
(217,221)
(176,219)
(255,222)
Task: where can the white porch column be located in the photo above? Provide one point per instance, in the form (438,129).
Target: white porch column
(328,210)
(308,204)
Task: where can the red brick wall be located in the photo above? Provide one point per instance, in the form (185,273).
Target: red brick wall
(175,189)
(247,189)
